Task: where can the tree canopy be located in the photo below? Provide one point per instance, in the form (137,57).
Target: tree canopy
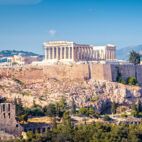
(134,57)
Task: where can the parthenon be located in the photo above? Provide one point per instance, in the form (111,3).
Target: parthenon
(70,51)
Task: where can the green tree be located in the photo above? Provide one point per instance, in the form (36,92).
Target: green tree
(35,111)
(61,107)
(19,107)
(132,81)
(134,57)
(107,118)
(50,110)
(54,122)
(67,119)
(83,111)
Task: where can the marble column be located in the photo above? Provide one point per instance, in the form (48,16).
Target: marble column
(53,53)
(72,53)
(68,53)
(114,54)
(49,53)
(61,48)
(109,54)
(57,53)
(81,53)
(64,52)
(46,54)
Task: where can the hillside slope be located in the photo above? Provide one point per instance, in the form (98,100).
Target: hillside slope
(123,53)
(7,53)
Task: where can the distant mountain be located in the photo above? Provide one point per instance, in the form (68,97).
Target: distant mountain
(123,53)
(8,53)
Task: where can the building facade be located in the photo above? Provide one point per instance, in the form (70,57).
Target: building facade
(8,122)
(107,52)
(69,51)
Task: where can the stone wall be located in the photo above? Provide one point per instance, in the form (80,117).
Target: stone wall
(101,72)
(127,71)
(30,74)
(139,73)
(8,122)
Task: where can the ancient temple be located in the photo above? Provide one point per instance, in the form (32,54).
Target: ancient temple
(73,52)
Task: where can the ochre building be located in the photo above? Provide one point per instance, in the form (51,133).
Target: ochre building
(73,52)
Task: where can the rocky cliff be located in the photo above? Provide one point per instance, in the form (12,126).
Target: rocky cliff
(99,94)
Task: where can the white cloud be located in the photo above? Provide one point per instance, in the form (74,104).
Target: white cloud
(52,32)
(19,2)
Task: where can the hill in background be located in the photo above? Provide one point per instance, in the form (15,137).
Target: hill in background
(8,53)
(123,53)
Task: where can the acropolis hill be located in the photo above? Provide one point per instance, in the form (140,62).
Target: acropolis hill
(69,60)
(49,84)
(81,77)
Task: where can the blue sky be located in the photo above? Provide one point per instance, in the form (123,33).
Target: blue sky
(26,24)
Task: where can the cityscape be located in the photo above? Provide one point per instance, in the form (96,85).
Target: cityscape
(80,81)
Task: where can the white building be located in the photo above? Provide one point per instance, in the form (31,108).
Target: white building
(65,51)
(107,52)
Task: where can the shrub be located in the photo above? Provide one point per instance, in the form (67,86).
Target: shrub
(107,118)
(132,81)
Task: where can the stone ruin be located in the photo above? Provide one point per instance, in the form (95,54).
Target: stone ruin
(10,128)
(8,122)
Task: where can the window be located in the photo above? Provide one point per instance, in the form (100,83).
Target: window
(9,115)
(3,107)
(38,130)
(8,107)
(43,130)
(4,115)
(34,131)
(17,125)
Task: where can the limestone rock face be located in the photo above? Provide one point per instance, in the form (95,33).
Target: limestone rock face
(99,94)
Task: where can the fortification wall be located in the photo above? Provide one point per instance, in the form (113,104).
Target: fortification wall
(101,72)
(127,71)
(139,73)
(66,71)
(30,74)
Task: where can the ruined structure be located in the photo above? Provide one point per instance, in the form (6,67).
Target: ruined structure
(69,51)
(10,128)
(40,128)
(8,122)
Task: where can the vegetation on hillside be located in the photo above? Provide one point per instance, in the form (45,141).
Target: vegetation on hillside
(66,132)
(134,57)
